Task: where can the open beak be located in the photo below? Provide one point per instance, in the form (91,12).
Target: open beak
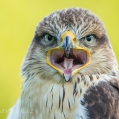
(68,58)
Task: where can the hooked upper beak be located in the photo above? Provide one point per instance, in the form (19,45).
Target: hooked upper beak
(68,58)
(67,44)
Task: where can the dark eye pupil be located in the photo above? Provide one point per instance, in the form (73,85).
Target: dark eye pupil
(88,38)
(50,37)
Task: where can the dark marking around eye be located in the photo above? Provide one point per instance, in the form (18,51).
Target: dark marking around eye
(39,40)
(102,40)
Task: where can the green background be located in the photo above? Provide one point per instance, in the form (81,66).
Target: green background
(18,19)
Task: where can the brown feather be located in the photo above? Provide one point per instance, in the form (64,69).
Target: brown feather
(102,101)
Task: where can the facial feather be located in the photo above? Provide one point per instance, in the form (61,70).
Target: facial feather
(81,23)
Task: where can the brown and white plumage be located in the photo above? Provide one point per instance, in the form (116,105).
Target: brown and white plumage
(92,93)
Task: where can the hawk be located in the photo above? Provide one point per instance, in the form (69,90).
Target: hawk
(70,70)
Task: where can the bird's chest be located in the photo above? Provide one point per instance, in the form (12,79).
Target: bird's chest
(58,102)
(54,102)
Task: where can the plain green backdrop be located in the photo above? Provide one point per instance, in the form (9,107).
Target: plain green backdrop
(18,20)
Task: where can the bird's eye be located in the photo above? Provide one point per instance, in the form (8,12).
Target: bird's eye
(48,39)
(90,40)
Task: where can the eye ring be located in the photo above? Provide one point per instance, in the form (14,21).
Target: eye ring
(90,40)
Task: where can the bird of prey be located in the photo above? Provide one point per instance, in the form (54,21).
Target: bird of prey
(70,70)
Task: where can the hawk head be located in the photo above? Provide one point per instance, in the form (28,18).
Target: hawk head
(68,43)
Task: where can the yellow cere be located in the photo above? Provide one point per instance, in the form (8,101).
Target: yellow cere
(68,33)
(18,19)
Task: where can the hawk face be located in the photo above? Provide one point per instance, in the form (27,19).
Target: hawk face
(68,43)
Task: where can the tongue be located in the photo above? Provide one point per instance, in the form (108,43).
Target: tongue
(68,64)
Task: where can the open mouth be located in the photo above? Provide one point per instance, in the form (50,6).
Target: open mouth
(67,65)
(68,58)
